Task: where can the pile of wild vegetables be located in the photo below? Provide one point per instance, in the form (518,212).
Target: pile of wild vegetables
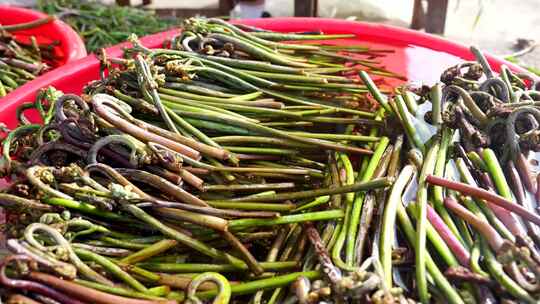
(22,61)
(233,167)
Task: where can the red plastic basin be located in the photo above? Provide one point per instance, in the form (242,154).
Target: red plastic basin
(418,56)
(71,46)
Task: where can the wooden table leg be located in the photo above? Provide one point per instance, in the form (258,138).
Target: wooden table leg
(225,7)
(419,15)
(123,2)
(306,8)
(436,16)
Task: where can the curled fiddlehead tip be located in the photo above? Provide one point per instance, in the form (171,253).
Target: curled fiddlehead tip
(224,288)
(28,285)
(134,159)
